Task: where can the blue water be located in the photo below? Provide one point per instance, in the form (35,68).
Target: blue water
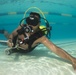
(61,15)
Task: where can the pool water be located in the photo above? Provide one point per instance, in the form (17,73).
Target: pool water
(61,15)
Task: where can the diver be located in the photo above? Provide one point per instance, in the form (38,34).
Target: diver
(28,36)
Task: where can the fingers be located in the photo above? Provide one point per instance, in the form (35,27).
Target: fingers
(74,64)
(10,44)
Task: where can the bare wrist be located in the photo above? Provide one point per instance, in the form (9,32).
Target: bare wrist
(10,40)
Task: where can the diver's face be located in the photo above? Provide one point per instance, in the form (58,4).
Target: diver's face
(35,27)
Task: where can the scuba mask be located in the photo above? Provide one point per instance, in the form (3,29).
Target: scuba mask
(32,20)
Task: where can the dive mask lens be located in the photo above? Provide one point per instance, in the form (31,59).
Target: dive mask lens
(32,20)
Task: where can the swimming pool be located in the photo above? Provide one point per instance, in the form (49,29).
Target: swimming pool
(61,16)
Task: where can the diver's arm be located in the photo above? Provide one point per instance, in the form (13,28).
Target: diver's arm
(11,36)
(14,33)
(57,50)
(10,42)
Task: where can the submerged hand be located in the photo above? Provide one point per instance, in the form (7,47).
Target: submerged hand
(74,64)
(10,44)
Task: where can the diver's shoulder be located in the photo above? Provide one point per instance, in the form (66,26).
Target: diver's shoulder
(42,39)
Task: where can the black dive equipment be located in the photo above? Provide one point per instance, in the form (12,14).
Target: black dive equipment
(26,29)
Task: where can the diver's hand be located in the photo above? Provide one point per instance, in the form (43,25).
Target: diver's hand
(74,64)
(10,43)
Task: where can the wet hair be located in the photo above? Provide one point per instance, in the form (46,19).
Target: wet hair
(35,13)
